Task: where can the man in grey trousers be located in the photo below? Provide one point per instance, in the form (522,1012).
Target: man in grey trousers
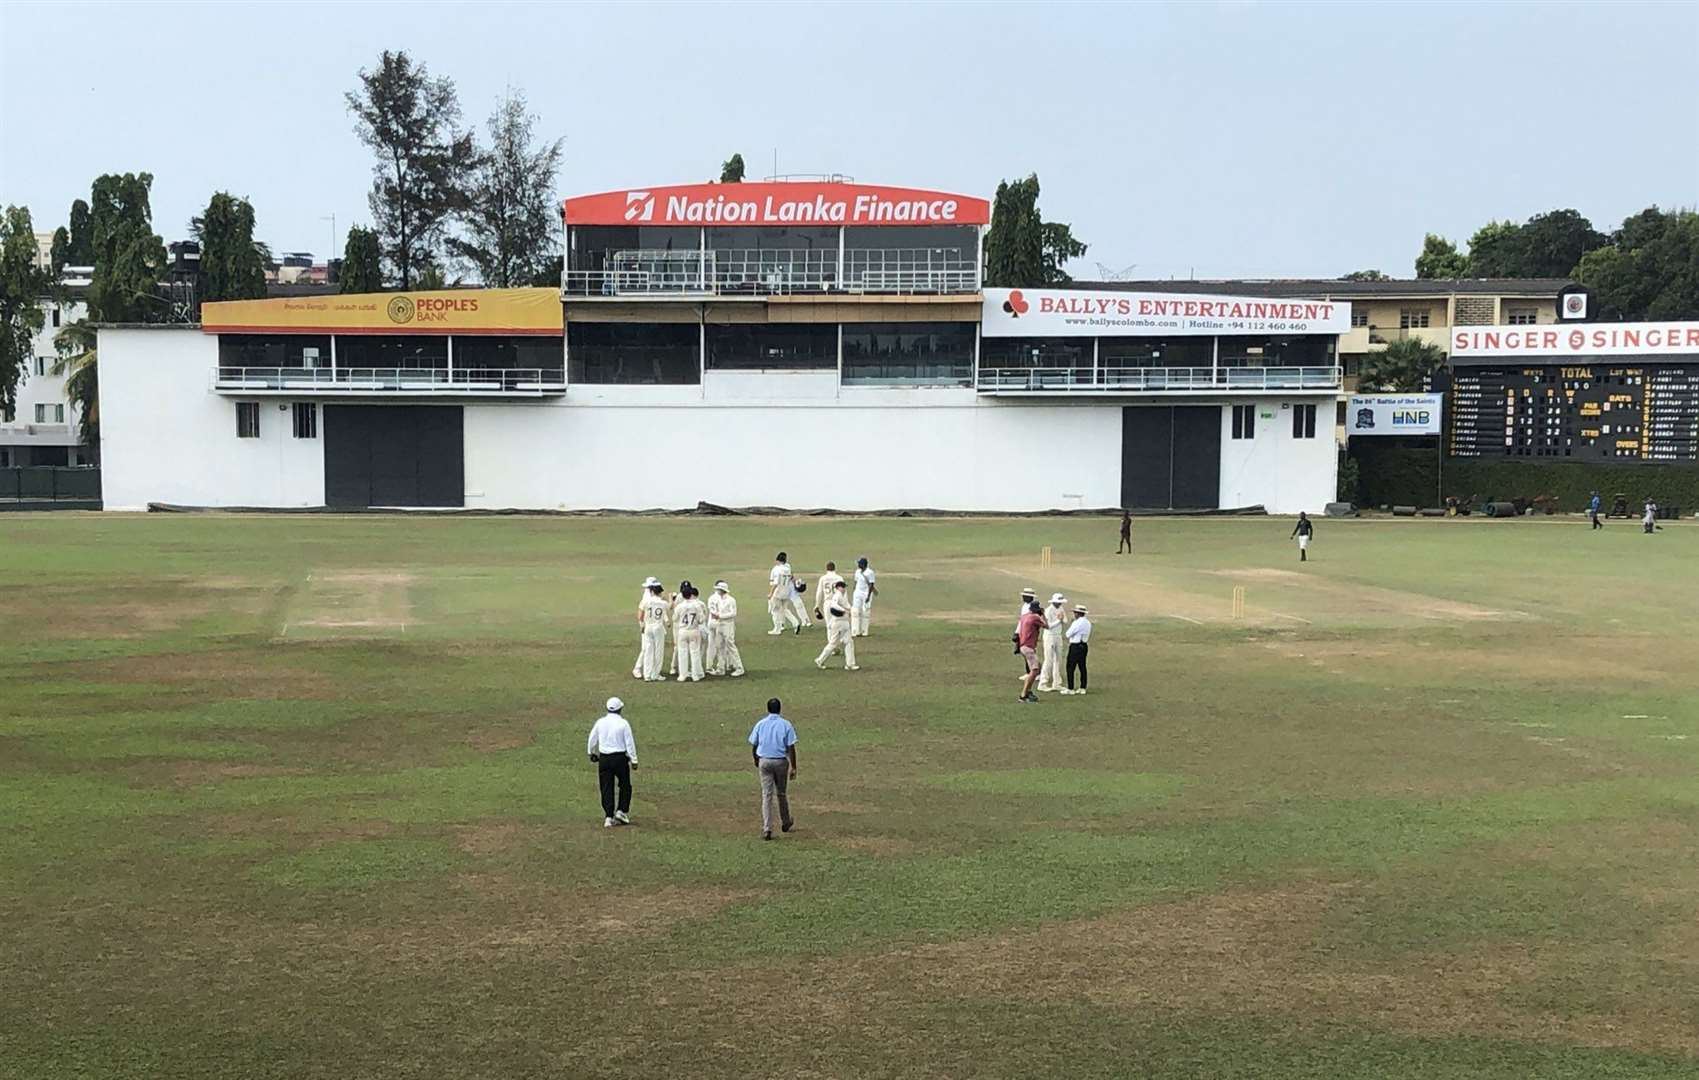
(772,743)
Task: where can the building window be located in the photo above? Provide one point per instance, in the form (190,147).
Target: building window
(1412,318)
(1035,352)
(908,354)
(1339,413)
(301,351)
(55,314)
(49,414)
(41,365)
(634,353)
(306,420)
(1523,316)
(247,419)
(1303,421)
(773,347)
(1359,318)
(1244,421)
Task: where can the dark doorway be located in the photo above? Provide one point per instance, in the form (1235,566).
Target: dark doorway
(1171,457)
(394,455)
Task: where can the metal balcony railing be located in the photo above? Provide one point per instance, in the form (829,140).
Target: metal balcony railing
(359,381)
(772,272)
(1064,380)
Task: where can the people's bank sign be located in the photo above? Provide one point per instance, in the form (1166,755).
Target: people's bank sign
(1084,313)
(1392,414)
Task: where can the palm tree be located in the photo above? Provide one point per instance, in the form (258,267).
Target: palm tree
(76,343)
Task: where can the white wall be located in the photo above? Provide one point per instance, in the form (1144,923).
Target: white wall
(870,449)
(165,436)
(1284,474)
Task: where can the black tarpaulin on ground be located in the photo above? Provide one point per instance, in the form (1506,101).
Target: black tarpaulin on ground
(701,509)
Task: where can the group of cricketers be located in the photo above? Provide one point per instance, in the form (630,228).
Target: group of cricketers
(1040,631)
(705,631)
(847,612)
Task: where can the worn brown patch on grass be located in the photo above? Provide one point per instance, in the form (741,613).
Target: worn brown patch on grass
(357,600)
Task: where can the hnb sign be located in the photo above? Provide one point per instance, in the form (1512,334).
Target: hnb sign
(1394,414)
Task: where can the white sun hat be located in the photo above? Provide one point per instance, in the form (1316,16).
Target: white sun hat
(615,704)
(1057,598)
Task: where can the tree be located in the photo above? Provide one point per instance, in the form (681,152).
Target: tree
(75,344)
(362,263)
(81,235)
(22,285)
(1493,250)
(410,121)
(1021,248)
(1364,275)
(1548,245)
(1440,259)
(61,250)
(511,216)
(1403,366)
(232,264)
(1649,271)
(731,170)
(127,256)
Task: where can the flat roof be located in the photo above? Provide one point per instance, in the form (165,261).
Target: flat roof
(1332,288)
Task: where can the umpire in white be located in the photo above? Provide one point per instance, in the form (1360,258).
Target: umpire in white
(614,750)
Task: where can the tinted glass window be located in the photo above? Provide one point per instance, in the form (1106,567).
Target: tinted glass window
(915,354)
(1149,352)
(633,353)
(420,352)
(540,351)
(803,239)
(1276,352)
(279,351)
(757,346)
(1031,352)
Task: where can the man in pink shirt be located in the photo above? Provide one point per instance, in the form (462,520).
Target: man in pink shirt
(1026,638)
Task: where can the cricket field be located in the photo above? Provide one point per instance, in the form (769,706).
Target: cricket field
(307,797)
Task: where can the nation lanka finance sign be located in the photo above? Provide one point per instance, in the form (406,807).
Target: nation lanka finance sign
(776,203)
(1084,313)
(1392,414)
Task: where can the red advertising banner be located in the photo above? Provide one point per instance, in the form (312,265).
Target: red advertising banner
(777,203)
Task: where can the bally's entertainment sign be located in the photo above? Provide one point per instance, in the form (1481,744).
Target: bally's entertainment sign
(1084,313)
(1392,414)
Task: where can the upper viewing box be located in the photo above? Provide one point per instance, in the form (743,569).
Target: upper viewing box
(772,238)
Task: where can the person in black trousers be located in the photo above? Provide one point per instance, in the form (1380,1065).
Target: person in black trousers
(1079,644)
(1303,531)
(613,749)
(1126,543)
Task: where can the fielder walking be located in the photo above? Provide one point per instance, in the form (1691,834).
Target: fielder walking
(731,661)
(779,589)
(823,588)
(1079,644)
(1303,531)
(613,750)
(838,634)
(861,603)
(772,743)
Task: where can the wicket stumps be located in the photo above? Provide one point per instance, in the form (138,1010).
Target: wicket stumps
(1238,601)
(1044,557)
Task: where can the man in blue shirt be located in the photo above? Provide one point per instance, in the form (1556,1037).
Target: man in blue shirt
(772,743)
(1593,510)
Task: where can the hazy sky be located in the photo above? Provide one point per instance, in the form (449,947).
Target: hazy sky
(1215,139)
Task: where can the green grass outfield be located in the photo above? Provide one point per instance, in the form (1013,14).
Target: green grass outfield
(306,797)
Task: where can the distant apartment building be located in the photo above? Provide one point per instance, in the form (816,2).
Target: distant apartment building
(43,427)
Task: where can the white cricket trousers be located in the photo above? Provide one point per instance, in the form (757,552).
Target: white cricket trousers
(780,609)
(731,661)
(654,651)
(689,654)
(712,660)
(800,610)
(838,637)
(1050,672)
(861,616)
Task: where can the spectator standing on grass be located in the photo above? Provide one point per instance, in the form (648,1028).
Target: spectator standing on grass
(1026,640)
(772,743)
(613,750)
(1303,531)
(1126,543)
(1027,597)
(1593,510)
(1079,643)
